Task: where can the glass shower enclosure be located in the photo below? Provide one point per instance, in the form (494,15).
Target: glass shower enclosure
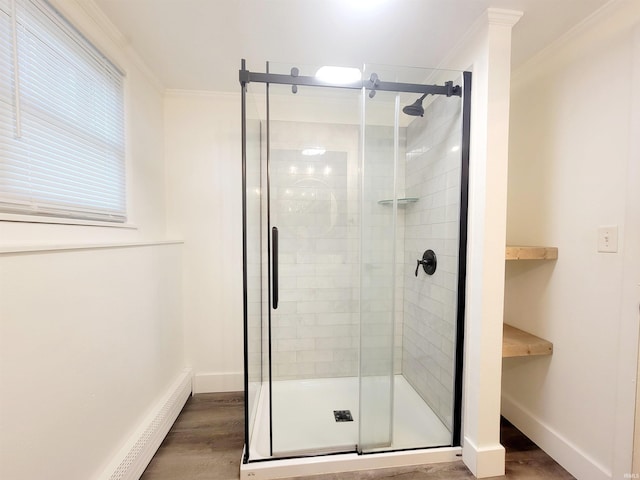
(354,241)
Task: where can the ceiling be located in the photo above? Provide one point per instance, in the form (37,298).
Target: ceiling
(198,44)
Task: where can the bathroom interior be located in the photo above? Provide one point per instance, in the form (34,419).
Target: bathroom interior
(106,330)
(355,205)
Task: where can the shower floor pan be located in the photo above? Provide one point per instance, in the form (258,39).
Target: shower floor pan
(297,432)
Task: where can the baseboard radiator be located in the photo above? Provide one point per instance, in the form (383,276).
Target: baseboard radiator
(134,457)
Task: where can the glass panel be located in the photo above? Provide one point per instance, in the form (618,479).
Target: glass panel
(433,177)
(313,171)
(377,295)
(411,203)
(256,288)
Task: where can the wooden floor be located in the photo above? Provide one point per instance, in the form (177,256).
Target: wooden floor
(205,443)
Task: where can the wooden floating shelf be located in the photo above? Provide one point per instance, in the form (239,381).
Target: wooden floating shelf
(531,253)
(518,343)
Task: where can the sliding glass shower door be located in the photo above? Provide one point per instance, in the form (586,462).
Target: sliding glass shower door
(314,218)
(349,346)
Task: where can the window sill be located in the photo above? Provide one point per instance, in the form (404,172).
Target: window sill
(98,246)
(11,217)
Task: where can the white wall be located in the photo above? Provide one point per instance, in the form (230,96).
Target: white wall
(204,208)
(90,338)
(573,165)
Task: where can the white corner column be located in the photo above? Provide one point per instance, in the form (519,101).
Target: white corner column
(486,51)
(627,436)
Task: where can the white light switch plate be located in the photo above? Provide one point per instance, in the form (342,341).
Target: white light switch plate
(608,239)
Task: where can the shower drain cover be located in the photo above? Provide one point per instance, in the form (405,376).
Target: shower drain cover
(343,415)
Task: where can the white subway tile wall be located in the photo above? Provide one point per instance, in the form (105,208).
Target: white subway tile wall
(315,205)
(430,302)
(382,292)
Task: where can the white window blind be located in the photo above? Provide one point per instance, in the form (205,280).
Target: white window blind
(61,119)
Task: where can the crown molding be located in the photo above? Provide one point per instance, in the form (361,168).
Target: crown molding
(503,17)
(141,65)
(622,13)
(103,22)
(490,17)
(113,34)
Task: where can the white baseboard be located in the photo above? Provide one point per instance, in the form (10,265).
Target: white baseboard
(483,462)
(133,458)
(577,462)
(218,382)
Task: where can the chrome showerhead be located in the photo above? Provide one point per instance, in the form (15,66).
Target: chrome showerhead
(415,109)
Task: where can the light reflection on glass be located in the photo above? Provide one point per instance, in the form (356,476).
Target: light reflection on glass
(313,151)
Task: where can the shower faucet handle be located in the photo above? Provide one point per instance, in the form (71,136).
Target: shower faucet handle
(429,262)
(418,266)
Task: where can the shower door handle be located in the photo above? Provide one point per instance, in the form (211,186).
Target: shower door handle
(274,261)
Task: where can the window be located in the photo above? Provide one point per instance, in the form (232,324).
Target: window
(61,119)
